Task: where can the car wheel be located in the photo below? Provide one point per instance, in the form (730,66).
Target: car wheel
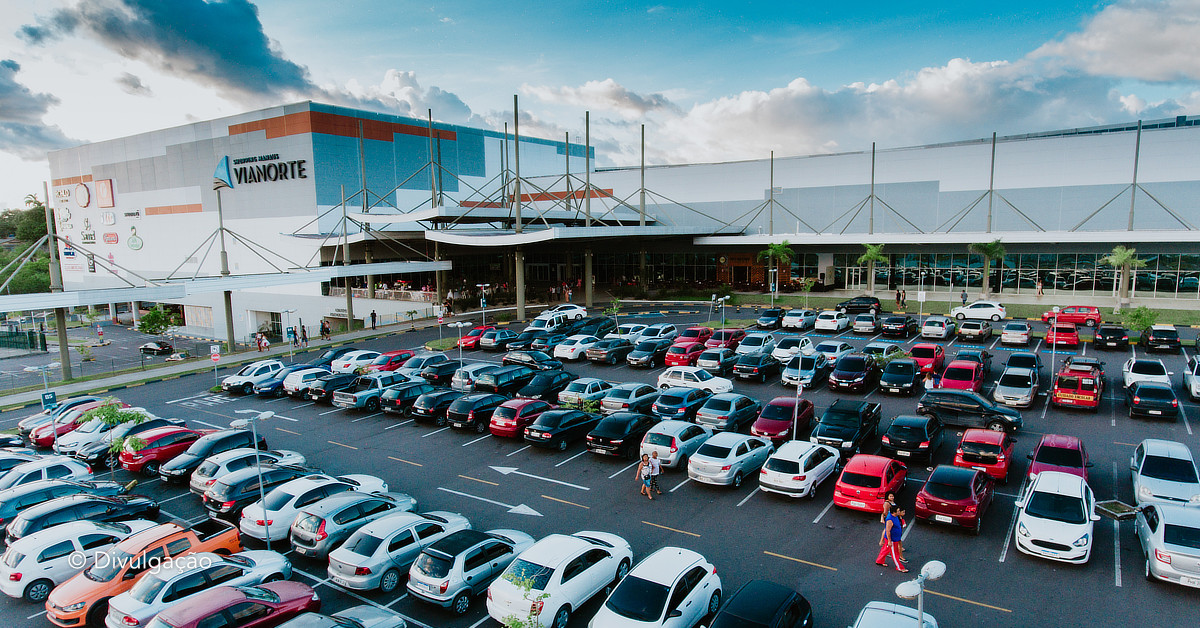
(960,316)
(38,591)
(150,469)
(95,616)
(622,569)
(247,389)
(372,405)
(996,426)
(562,617)
(664,388)
(612,361)
(682,464)
(1090,322)
(737,479)
(440,421)
(462,603)
(562,445)
(391,579)
(714,603)
(995,318)
(481,427)
(275,577)
(652,363)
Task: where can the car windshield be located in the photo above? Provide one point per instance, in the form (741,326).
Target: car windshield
(864,480)
(90,427)
(788,343)
(923,352)
(638,599)
(907,432)
(1059,457)
(1056,507)
(522,572)
(827,347)
(690,333)
(1017,327)
(776,411)
(432,566)
(1016,380)
(363,544)
(277,499)
(542,379)
(722,335)
(103,571)
(753,341)
(853,364)
(1147,367)
(807,363)
(146,589)
(1169,469)
(949,492)
(1183,536)
(713,451)
(900,368)
(959,374)
(782,465)
(646,345)
(1025,361)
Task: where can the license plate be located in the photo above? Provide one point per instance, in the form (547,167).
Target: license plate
(903,453)
(1156,412)
(979,468)
(340,581)
(895,390)
(1191,582)
(858,504)
(937,518)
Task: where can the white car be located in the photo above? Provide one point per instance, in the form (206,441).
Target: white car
(835,349)
(1055,518)
(659,330)
(693,582)
(798,319)
(866,324)
(798,468)
(1016,333)
(980,311)
(753,343)
(629,331)
(584,389)
(575,347)
(938,327)
(728,458)
(675,441)
(283,503)
(1145,370)
(789,347)
(377,555)
(831,321)
(1170,540)
(572,311)
(464,378)
(250,375)
(46,468)
(693,377)
(889,615)
(353,360)
(1164,472)
(35,564)
(297,384)
(92,431)
(562,572)
(883,352)
(1191,379)
(183,580)
(218,465)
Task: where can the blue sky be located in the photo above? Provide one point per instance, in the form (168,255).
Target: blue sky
(710,80)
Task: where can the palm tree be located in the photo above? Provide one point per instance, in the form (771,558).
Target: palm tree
(1125,259)
(874,254)
(993,250)
(776,255)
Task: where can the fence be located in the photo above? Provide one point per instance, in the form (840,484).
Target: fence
(27,340)
(17,378)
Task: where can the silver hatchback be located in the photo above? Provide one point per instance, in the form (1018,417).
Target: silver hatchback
(457,568)
(378,554)
(675,442)
(324,525)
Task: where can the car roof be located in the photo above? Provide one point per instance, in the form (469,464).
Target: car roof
(1060,440)
(519,403)
(939,319)
(555,549)
(867,463)
(729,396)
(758,601)
(1166,449)
(671,427)
(728,439)
(1017,370)
(966,364)
(984,436)
(1180,515)
(1059,483)
(458,542)
(950,474)
(666,565)
(396,352)
(794,449)
(1163,327)
(911,419)
(390,523)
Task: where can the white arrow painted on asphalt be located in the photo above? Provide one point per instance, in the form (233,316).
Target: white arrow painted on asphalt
(513,471)
(520,509)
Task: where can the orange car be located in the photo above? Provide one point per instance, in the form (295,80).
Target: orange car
(83,600)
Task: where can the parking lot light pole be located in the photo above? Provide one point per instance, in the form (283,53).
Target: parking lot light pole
(292,344)
(722,300)
(796,408)
(459,326)
(932,570)
(46,388)
(253,423)
(483,299)
(1054,345)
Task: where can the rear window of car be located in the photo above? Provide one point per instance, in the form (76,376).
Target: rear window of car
(907,431)
(861,479)
(1059,457)
(713,451)
(679,349)
(670,399)
(1164,333)
(363,544)
(662,440)
(432,566)
(781,465)
(1182,536)
(1154,392)
(307,523)
(951,492)
(959,374)
(504,412)
(718,405)
(1147,367)
(522,572)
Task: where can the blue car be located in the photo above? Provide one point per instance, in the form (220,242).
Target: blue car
(274,387)
(806,370)
(679,403)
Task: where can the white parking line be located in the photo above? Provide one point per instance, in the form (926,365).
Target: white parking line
(912,524)
(219,427)
(435,432)
(185,399)
(286,418)
(171,499)
(406,595)
(1116,534)
(364,418)
(631,465)
(677,486)
(325,581)
(823,511)
(277,400)
(1011,526)
(1186,423)
(478,623)
(305,405)
(472,442)
(571,458)
(747,498)
(44,612)
(518,451)
(398,424)
(329,412)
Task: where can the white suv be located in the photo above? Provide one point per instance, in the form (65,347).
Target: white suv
(297,383)
(1145,370)
(693,583)
(35,564)
(1055,518)
(253,373)
(693,377)
(831,321)
(979,311)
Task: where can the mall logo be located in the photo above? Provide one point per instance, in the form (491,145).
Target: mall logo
(257,169)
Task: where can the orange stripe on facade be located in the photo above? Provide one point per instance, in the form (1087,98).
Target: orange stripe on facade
(174,209)
(333,124)
(558,196)
(87,178)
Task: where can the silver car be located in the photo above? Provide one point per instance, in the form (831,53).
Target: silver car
(630,397)
(376,556)
(464,378)
(1016,387)
(457,568)
(218,465)
(728,458)
(717,361)
(324,525)
(756,342)
(1170,539)
(675,441)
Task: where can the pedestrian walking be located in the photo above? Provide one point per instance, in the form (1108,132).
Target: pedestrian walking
(888,502)
(655,471)
(643,475)
(303,336)
(963,296)
(266,344)
(889,540)
(897,299)
(374,318)
(1039,288)
(904,299)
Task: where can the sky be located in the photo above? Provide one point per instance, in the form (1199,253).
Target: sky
(711,81)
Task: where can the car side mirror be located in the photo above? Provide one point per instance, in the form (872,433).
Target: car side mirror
(675,613)
(1090,464)
(1029,456)
(1132,467)
(1170,372)
(1095,517)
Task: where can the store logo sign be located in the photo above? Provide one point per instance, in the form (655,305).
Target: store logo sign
(257,169)
(134,242)
(111,237)
(88,235)
(133,215)
(108,218)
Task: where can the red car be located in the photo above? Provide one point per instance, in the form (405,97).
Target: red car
(866,481)
(43,436)
(268,604)
(1077,315)
(391,360)
(471,340)
(1056,452)
(777,417)
(512,417)
(1063,334)
(955,496)
(162,444)
(963,375)
(987,451)
(725,339)
(929,356)
(683,354)
(695,334)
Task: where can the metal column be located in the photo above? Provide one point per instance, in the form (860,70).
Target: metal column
(587,278)
(56,285)
(346,262)
(231,340)
(519,263)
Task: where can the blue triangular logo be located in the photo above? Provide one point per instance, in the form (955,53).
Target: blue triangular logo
(221,178)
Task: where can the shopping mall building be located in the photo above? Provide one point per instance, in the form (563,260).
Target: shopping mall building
(311,182)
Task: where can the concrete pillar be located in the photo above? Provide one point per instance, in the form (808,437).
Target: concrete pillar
(112,313)
(642,278)
(230,338)
(133,312)
(519,271)
(370,278)
(570,267)
(587,278)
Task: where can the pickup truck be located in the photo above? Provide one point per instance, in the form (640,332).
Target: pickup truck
(847,424)
(84,598)
(364,393)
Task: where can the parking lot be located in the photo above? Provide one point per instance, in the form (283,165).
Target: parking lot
(823,552)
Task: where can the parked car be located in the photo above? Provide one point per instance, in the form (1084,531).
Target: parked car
(798,468)
(900,326)
(1145,370)
(683,354)
(96,452)
(658,331)
(835,350)
(649,353)
(583,390)
(547,343)
(628,331)
(1059,452)
(679,403)
(474,411)
(598,326)
(439,374)
(570,310)
(883,352)
(1017,387)
(268,604)
(219,465)
(675,441)
(692,580)
(962,375)
(770,318)
(764,604)
(297,384)
(901,376)
(866,324)
(955,496)
(808,371)
(728,458)
(179,468)
(557,429)
(156,347)
(859,304)
(1016,333)
(1087,315)
(575,347)
(866,481)
(419,362)
(831,321)
(463,379)
(18,498)
(980,356)
(1055,517)
(496,339)
(390,360)
(1151,399)
(693,377)
(1164,472)
(546,385)
(759,366)
(847,424)
(975,330)
(909,437)
(452,571)
(324,525)
(631,397)
(938,327)
(1063,334)
(225,498)
(158,446)
(80,507)
(728,412)
(273,387)
(505,380)
(779,416)
(524,340)
(1160,338)
(1191,378)
(329,355)
(717,361)
(321,390)
(1080,384)
(431,407)
(986,450)
(353,360)
(1025,360)
(694,334)
(929,356)
(855,372)
(980,310)
(272,518)
(789,346)
(1168,535)
(510,419)
(34,565)
(471,339)
(963,408)
(399,399)
(799,319)
(620,434)
(536,360)
(1111,337)
(728,338)
(378,554)
(248,376)
(45,468)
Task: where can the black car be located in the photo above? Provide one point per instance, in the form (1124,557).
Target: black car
(598,326)
(326,359)
(648,353)
(901,376)
(546,385)
(274,387)
(496,339)
(1111,337)
(506,380)
(547,342)
(620,434)
(431,407)
(441,372)
(524,340)
(901,326)
(233,491)
(854,372)
(80,508)
(536,360)
(912,437)
(179,468)
(679,403)
(770,319)
(18,498)
(322,390)
(858,305)
(764,604)
(558,428)
(964,408)
(157,348)
(97,454)
(612,350)
(758,365)
(399,399)
(846,425)
(1160,338)
(474,411)
(1151,399)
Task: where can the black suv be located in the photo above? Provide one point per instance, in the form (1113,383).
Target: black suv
(598,326)
(180,467)
(536,360)
(322,390)
(506,380)
(764,604)
(963,408)
(1111,337)
(1160,338)
(432,406)
(81,508)
(854,372)
(900,326)
(858,305)
(474,411)
(399,399)
(847,425)
(441,372)
(758,365)
(546,385)
(912,437)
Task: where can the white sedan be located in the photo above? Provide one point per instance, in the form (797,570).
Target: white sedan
(629,331)
(1016,333)
(672,588)
(1144,370)
(791,346)
(1164,472)
(218,465)
(558,575)
(1191,379)
(980,311)
(35,564)
(575,347)
(798,469)
(938,327)
(831,321)
(835,349)
(1055,518)
(284,502)
(799,319)
(1170,538)
(572,311)
(693,377)
(352,360)
(728,458)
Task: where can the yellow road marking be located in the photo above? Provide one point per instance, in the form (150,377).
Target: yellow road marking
(800,560)
(334,442)
(960,599)
(672,529)
(415,464)
(135,384)
(467,477)
(1125,444)
(563,501)
(288,431)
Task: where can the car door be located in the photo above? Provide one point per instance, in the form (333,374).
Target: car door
(224,573)
(181,588)
(499,555)
(50,558)
(819,465)
(403,547)
(244,615)
(477,567)
(1146,526)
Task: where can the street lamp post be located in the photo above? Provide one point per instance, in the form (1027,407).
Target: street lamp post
(253,423)
(932,570)
(459,326)
(292,344)
(722,300)
(774,275)
(712,305)
(1053,345)
(796,411)
(483,299)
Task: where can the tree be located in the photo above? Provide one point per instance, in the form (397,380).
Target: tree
(777,255)
(32,223)
(1126,260)
(525,584)
(157,321)
(614,310)
(874,254)
(111,413)
(990,251)
(1139,318)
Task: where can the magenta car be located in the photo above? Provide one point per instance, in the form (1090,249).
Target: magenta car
(268,604)
(1056,452)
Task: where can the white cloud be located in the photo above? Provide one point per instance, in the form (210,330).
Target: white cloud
(605,95)
(401,93)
